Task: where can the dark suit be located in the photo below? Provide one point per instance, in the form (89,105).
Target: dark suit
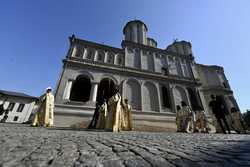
(217,109)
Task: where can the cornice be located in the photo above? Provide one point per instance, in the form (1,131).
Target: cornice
(98,45)
(216,88)
(115,69)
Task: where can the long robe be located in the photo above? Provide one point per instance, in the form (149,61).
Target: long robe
(201,121)
(189,119)
(114,117)
(103,111)
(179,120)
(45,114)
(237,122)
(127,117)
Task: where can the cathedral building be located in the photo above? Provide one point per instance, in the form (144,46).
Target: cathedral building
(154,80)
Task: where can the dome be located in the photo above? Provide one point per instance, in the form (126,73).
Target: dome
(135,31)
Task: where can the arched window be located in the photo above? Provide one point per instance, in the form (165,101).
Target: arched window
(100,56)
(90,54)
(110,58)
(119,60)
(133,94)
(80,89)
(150,97)
(165,97)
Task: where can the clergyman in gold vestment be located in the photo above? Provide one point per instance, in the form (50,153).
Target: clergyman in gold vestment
(103,111)
(127,116)
(45,114)
(114,117)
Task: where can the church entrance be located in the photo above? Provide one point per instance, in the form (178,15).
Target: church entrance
(105,90)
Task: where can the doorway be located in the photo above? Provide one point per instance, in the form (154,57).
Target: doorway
(105,90)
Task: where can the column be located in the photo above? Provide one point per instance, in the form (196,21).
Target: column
(84,54)
(93,92)
(154,61)
(74,52)
(67,90)
(188,98)
(159,96)
(106,57)
(142,65)
(115,59)
(95,55)
(171,92)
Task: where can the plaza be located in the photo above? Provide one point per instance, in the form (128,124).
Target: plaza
(22,145)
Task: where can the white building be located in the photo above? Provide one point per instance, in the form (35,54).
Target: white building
(154,80)
(20,106)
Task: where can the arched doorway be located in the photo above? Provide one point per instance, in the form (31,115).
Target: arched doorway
(105,89)
(80,89)
(165,97)
(194,99)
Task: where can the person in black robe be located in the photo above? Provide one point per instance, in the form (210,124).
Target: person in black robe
(217,109)
(95,117)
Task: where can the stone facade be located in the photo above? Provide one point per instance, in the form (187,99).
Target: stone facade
(154,80)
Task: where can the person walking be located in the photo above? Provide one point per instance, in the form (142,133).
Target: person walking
(237,121)
(217,109)
(179,119)
(45,114)
(189,118)
(93,122)
(103,111)
(201,121)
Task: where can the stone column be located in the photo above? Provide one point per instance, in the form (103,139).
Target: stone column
(154,62)
(67,90)
(84,54)
(171,92)
(93,92)
(159,97)
(74,51)
(188,98)
(142,66)
(106,57)
(95,55)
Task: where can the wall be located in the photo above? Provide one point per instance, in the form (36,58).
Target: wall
(22,116)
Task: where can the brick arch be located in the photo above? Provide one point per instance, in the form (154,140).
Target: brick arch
(109,77)
(86,74)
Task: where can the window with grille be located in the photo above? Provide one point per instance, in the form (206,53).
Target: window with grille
(20,107)
(11,106)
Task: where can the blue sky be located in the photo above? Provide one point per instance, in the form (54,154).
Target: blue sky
(34,35)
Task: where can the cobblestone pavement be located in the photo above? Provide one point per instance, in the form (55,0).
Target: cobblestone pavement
(21,145)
